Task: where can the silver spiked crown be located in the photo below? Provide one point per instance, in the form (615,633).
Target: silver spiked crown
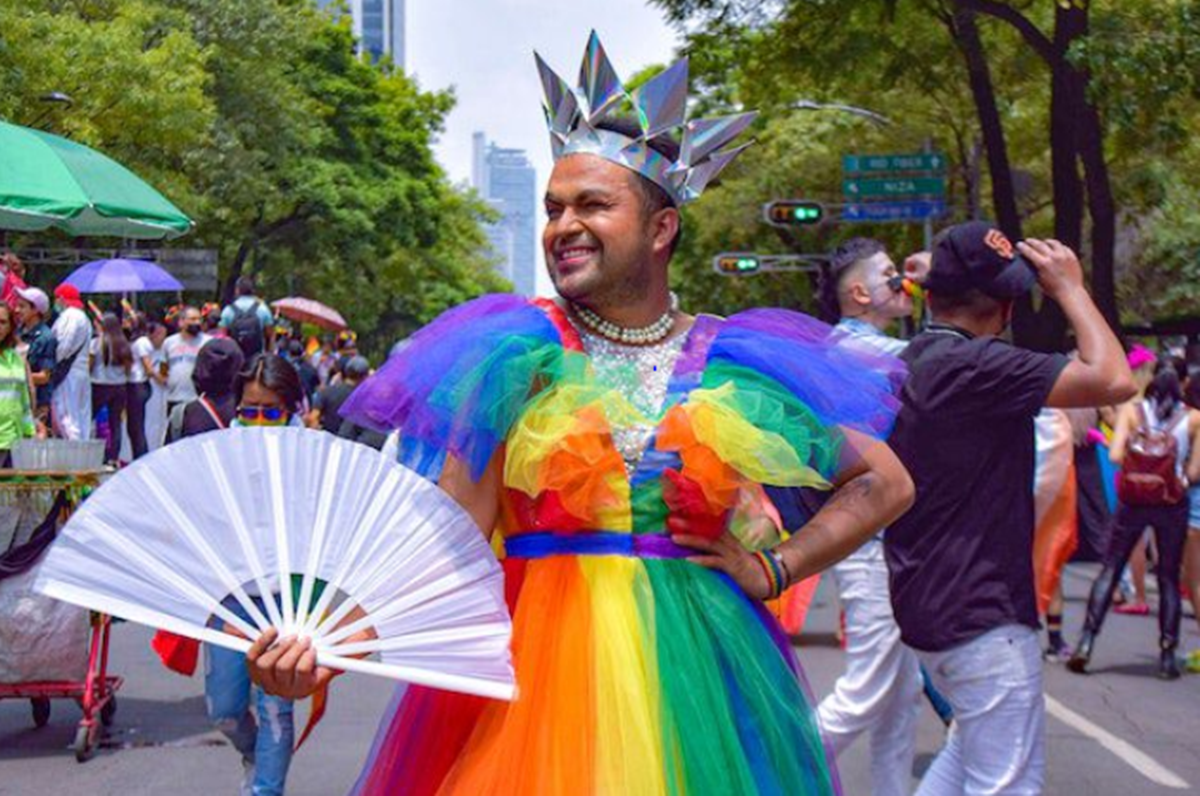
(659,106)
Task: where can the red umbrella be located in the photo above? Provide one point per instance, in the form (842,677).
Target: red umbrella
(306,310)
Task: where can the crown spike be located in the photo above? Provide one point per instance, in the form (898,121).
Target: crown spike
(601,86)
(661,102)
(573,116)
(700,176)
(702,137)
(558,100)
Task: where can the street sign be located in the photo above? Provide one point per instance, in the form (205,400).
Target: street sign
(747,263)
(878,164)
(893,211)
(896,187)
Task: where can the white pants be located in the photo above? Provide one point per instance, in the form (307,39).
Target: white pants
(998,743)
(880,691)
(71,406)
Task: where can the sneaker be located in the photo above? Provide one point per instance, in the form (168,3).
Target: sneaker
(1057,653)
(1192,661)
(1133,609)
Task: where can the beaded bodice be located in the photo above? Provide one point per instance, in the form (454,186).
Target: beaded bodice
(641,374)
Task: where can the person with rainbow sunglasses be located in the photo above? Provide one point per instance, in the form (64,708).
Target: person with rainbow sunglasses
(270,393)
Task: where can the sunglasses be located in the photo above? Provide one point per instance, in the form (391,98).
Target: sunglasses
(258,414)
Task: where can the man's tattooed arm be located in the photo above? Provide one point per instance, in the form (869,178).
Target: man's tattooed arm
(879,491)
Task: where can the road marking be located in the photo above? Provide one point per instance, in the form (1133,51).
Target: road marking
(1138,760)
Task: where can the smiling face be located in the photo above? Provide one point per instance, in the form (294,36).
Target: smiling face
(602,247)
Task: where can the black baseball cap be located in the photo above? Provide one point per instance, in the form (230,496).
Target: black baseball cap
(978,256)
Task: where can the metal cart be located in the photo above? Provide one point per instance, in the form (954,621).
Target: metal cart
(96,692)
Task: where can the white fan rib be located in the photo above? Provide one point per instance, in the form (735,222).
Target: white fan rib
(114,606)
(410,600)
(358,537)
(450,536)
(234,512)
(151,563)
(499,688)
(283,557)
(183,523)
(320,528)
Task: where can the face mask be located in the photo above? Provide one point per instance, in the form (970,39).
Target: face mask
(193,328)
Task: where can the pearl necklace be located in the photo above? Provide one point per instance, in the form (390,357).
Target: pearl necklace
(646,335)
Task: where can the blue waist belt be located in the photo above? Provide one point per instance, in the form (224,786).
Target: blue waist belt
(594,543)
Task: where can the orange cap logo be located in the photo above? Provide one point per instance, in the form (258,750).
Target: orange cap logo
(998,242)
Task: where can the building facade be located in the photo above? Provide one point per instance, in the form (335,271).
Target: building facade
(507,180)
(378,26)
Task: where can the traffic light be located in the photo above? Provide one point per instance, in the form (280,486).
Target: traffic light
(737,264)
(794,213)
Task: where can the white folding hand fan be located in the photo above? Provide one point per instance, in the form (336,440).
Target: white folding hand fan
(345,539)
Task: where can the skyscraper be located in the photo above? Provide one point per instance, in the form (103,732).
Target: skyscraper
(507,180)
(378,26)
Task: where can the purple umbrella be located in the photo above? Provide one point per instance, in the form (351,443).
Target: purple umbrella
(122,276)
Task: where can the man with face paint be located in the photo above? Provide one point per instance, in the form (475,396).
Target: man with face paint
(961,562)
(878,693)
(863,292)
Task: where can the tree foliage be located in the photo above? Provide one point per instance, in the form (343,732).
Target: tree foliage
(1122,74)
(303,163)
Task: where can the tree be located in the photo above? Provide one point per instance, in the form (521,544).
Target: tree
(302,163)
(837,45)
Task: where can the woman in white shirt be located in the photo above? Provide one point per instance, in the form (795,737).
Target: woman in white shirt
(110,359)
(138,391)
(156,369)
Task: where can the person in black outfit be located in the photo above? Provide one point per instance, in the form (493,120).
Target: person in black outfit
(309,378)
(1163,410)
(218,365)
(326,408)
(960,562)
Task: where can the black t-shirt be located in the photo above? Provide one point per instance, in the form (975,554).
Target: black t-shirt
(961,561)
(329,401)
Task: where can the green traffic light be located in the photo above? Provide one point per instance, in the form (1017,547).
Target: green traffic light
(747,264)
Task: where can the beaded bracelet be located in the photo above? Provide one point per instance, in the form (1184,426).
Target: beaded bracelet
(776,580)
(783,567)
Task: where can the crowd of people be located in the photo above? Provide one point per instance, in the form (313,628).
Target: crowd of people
(73,371)
(654,477)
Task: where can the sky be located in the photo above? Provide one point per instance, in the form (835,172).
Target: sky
(484,50)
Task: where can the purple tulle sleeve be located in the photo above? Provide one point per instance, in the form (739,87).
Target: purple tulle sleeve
(457,385)
(844,384)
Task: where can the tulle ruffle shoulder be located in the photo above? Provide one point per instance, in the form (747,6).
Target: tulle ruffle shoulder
(770,393)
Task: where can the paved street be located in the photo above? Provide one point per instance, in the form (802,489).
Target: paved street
(1126,729)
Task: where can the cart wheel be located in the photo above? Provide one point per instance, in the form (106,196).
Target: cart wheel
(108,711)
(40,707)
(83,743)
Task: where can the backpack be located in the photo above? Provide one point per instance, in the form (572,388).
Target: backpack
(246,329)
(175,421)
(1149,474)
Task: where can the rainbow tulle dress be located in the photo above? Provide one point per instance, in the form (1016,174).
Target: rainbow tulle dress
(638,672)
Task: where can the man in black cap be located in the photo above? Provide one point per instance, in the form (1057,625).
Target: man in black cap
(961,561)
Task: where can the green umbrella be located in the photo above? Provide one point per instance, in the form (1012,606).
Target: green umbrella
(50,181)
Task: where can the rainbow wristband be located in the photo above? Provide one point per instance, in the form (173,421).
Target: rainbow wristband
(775,576)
